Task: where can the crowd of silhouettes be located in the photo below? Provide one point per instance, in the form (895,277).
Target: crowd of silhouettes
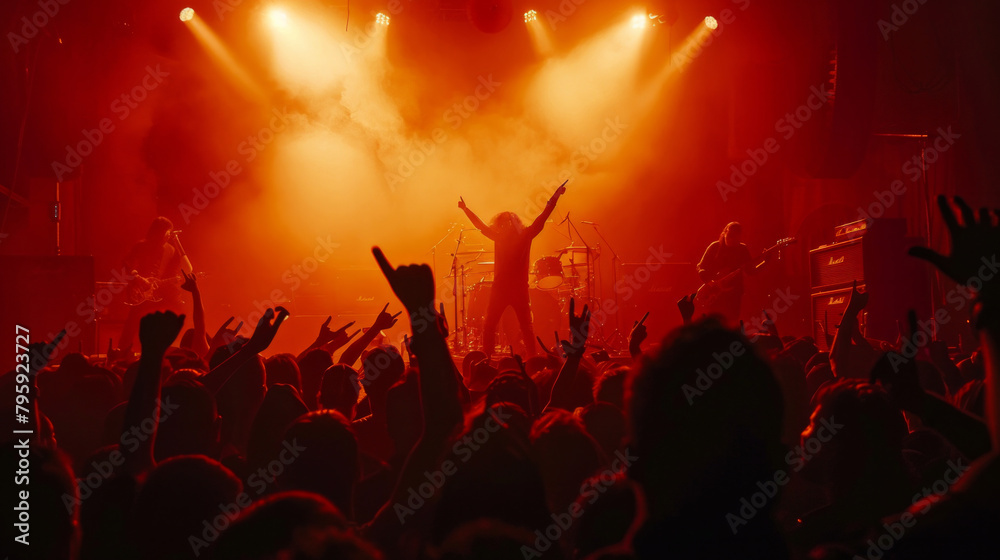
(712,443)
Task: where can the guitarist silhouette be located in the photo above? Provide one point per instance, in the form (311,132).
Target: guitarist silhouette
(721,258)
(150,260)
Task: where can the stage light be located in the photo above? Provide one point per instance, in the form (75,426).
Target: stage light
(277,17)
(530,16)
(187,14)
(381,19)
(711,22)
(638,22)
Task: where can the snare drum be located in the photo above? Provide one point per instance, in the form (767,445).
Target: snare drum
(548,273)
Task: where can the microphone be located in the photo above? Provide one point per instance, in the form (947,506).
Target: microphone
(588,223)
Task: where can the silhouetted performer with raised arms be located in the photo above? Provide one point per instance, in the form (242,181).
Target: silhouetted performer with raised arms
(512,247)
(722,257)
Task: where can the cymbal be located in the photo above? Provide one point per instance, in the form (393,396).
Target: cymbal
(479,252)
(485,263)
(577,250)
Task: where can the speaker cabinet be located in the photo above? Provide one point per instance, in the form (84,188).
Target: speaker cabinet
(827,311)
(836,265)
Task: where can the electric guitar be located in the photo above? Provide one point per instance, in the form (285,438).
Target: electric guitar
(710,292)
(143,289)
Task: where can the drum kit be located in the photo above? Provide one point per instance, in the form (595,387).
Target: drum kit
(554,279)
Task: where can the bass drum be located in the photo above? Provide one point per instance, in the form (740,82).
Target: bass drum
(548,273)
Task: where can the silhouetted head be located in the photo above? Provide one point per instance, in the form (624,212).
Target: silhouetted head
(489,450)
(403,413)
(566,456)
(320,454)
(860,432)
(732,234)
(512,388)
(339,390)
(489,539)
(281,407)
(507,224)
(269,527)
(159,230)
(381,368)
(610,386)
(311,367)
(282,368)
(176,500)
(705,418)
(605,423)
(189,421)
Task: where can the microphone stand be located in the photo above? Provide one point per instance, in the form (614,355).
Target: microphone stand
(434,247)
(459,327)
(185,261)
(590,287)
(614,279)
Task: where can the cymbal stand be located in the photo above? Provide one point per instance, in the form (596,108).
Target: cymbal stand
(617,335)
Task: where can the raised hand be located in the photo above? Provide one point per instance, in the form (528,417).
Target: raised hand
(267,327)
(546,348)
(974,243)
(461,203)
(413,284)
(637,335)
(579,329)
(686,306)
(900,378)
(326,336)
(157,331)
(224,335)
(857,302)
(39,353)
(385,320)
(190,284)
